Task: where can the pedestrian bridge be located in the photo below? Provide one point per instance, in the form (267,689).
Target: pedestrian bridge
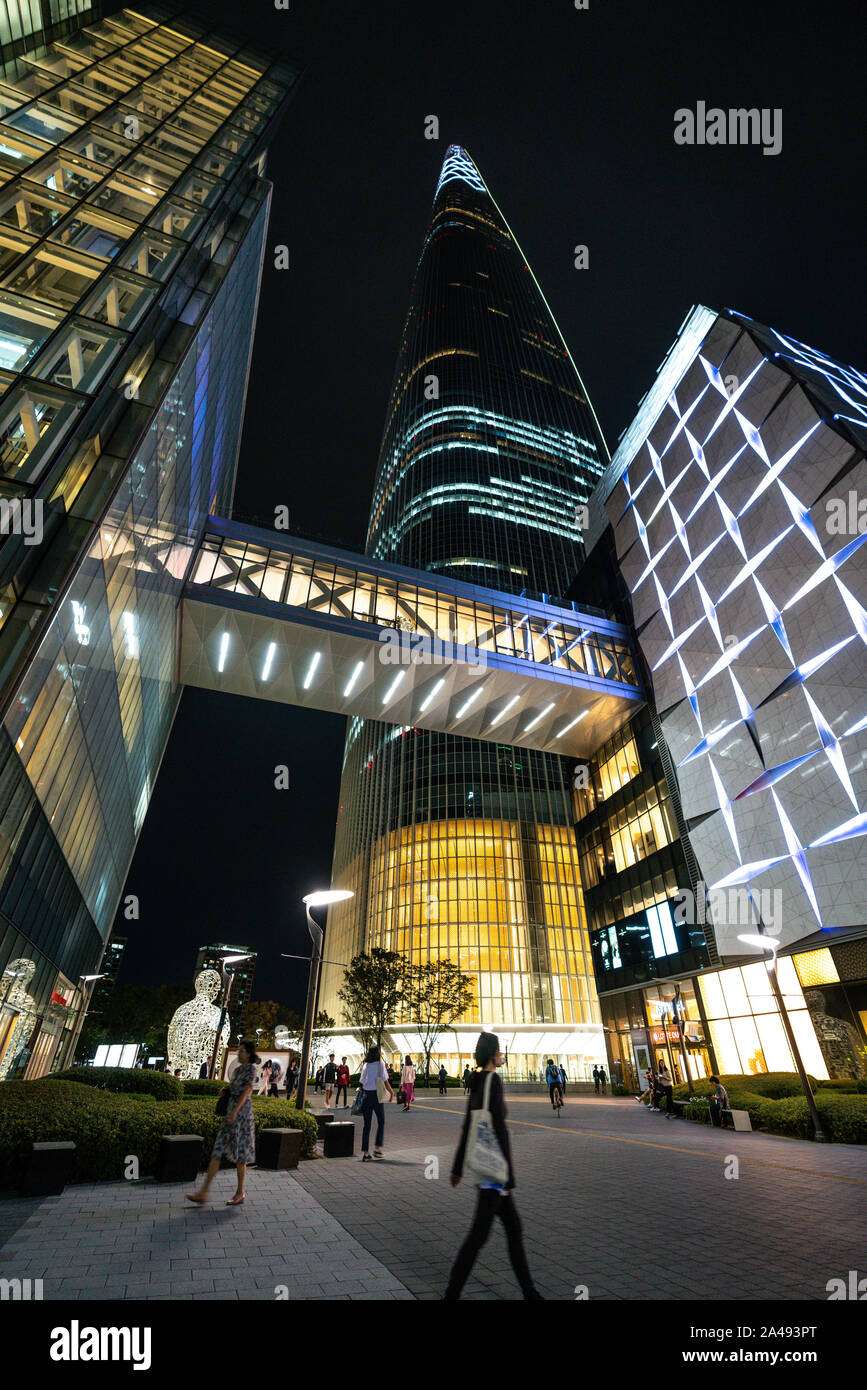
(281,618)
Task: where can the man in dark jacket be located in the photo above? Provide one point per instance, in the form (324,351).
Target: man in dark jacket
(443,1078)
(495,1197)
(329,1076)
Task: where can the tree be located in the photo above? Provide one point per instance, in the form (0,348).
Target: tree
(436,993)
(266,1014)
(371,991)
(323,1020)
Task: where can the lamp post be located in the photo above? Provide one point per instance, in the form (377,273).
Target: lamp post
(769,944)
(225,962)
(317,935)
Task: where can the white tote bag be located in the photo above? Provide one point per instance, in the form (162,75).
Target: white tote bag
(484,1158)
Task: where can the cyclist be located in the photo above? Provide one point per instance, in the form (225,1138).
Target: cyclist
(555,1085)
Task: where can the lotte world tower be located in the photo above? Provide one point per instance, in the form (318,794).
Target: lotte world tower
(456,848)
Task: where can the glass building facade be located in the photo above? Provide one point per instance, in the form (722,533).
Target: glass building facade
(132,218)
(455,848)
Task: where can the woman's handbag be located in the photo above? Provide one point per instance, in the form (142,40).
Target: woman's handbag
(401,1096)
(358,1102)
(380,1088)
(484,1158)
(222,1106)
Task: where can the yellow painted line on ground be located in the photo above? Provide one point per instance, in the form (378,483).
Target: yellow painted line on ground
(669,1148)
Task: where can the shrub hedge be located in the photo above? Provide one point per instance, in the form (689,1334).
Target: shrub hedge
(202,1086)
(108,1127)
(122,1079)
(776,1104)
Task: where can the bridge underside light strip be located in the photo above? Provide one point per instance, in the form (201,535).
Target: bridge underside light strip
(429,699)
(575,721)
(504,711)
(469,702)
(354,678)
(393,687)
(311,669)
(269,660)
(539,717)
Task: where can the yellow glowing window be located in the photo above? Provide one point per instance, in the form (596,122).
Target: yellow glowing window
(816,968)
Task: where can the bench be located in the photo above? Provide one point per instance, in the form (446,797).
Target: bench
(48,1168)
(340,1140)
(278,1148)
(179,1158)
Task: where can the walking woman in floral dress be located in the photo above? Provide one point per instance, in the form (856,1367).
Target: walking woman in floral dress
(237,1137)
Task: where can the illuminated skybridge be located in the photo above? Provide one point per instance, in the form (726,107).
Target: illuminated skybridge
(278,618)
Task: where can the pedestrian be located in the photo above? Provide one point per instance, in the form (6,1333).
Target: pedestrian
(596,1079)
(666,1085)
(466,1080)
(552,1081)
(719,1102)
(342,1083)
(374,1083)
(203,1069)
(407,1081)
(329,1077)
(562,1081)
(274,1079)
(291,1080)
(236,1139)
(443,1078)
(494,1198)
(317,1080)
(602,1080)
(177,1071)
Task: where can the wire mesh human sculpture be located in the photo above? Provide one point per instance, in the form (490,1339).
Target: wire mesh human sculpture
(16,1000)
(193,1028)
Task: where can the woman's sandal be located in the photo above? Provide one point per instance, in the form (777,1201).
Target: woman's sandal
(194,1197)
(236,1201)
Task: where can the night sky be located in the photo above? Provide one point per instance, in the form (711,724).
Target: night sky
(570,116)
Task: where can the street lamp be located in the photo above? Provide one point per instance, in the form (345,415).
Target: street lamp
(762,942)
(317,934)
(227,976)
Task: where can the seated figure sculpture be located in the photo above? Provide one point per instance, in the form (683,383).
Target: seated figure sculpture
(194,1027)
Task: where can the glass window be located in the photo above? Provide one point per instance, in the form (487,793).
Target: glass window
(99,145)
(178,219)
(67,173)
(200,189)
(24,327)
(13,245)
(80,355)
(120,300)
(94,231)
(126,123)
(79,102)
(46,122)
(154,170)
(128,197)
(152,254)
(54,273)
(33,420)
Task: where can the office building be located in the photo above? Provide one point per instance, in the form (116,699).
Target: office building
(132,220)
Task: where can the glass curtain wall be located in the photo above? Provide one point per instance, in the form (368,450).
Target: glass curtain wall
(454,848)
(133,215)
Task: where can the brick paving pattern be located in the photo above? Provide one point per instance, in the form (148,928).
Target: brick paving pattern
(613,1198)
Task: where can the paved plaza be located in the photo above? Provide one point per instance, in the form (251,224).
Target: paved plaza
(613,1199)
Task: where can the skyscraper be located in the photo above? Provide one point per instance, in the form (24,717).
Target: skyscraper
(456,848)
(132,223)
